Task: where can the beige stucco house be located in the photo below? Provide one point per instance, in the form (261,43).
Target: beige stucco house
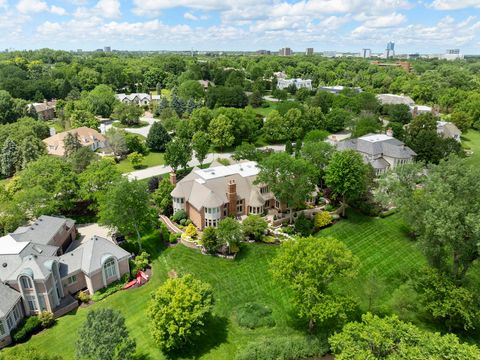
(88,137)
(40,271)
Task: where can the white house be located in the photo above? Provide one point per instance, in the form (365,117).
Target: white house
(299,83)
(135,98)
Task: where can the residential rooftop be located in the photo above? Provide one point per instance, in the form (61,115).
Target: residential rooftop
(245,169)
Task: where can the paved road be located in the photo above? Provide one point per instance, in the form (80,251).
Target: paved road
(165,169)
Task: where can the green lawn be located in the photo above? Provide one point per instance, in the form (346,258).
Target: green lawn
(471,141)
(379,243)
(264,111)
(152,159)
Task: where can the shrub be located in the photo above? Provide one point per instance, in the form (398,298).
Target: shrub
(174,238)
(191,231)
(130,246)
(46,319)
(387,213)
(110,289)
(26,328)
(329,207)
(164,233)
(140,262)
(284,347)
(322,219)
(178,216)
(84,297)
(254,227)
(253,315)
(303,225)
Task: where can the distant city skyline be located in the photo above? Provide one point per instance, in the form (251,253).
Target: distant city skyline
(242,25)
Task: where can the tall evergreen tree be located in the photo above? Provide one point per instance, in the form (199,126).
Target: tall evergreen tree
(9,158)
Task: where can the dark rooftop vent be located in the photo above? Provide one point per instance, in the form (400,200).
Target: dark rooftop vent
(4,265)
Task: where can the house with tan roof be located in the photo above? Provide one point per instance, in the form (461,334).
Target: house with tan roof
(44,110)
(41,269)
(88,137)
(208,195)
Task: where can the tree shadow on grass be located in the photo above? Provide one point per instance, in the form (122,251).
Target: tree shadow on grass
(243,253)
(215,335)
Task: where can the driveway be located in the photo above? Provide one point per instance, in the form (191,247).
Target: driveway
(165,169)
(141,131)
(87,231)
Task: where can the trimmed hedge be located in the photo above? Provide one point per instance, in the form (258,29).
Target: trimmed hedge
(110,289)
(26,329)
(285,348)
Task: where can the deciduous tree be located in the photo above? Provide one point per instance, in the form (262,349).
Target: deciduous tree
(104,336)
(178,312)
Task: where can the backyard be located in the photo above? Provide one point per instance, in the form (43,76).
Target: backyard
(471,141)
(381,245)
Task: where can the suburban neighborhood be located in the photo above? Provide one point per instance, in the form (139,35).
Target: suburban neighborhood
(293,204)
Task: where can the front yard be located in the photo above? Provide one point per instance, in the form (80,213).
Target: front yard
(152,159)
(471,141)
(380,244)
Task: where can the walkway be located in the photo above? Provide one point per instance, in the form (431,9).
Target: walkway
(141,130)
(170,225)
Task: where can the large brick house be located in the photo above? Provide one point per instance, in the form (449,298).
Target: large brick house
(208,195)
(40,269)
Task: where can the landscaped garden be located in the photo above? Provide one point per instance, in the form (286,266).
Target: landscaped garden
(382,245)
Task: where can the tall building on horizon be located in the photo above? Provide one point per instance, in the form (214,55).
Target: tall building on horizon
(453,51)
(285,51)
(309,51)
(390,51)
(107,49)
(366,53)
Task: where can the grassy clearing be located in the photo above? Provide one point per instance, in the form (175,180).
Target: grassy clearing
(264,111)
(140,124)
(152,159)
(471,141)
(380,244)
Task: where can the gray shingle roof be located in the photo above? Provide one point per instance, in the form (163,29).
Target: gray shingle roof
(88,256)
(41,231)
(8,299)
(382,145)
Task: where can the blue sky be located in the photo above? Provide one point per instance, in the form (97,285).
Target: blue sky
(343,25)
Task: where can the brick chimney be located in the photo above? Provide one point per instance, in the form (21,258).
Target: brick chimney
(389,132)
(232,197)
(173,178)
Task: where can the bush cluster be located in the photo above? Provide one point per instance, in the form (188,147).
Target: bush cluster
(253,315)
(285,348)
(110,289)
(26,329)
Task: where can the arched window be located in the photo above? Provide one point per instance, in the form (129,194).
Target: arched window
(110,268)
(26,282)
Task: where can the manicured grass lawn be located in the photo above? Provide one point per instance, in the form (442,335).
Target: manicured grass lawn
(264,111)
(471,140)
(380,244)
(152,159)
(119,125)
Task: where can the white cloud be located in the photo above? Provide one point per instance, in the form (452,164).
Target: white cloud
(190,16)
(37,6)
(109,8)
(58,10)
(154,7)
(455,4)
(32,6)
